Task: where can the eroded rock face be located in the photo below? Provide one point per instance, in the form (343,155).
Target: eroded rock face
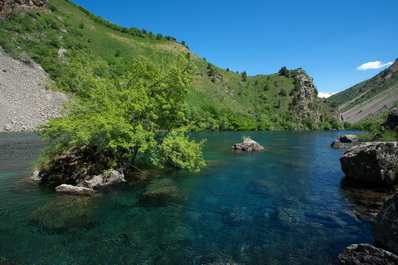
(391,122)
(248,145)
(371,162)
(344,141)
(386,226)
(366,254)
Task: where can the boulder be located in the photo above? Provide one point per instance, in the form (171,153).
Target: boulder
(70,189)
(161,192)
(248,145)
(371,162)
(105,180)
(65,213)
(386,225)
(366,254)
(344,141)
(348,138)
(392,121)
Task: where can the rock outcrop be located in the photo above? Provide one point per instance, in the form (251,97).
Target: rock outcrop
(392,121)
(7,7)
(344,141)
(371,162)
(248,145)
(386,226)
(366,254)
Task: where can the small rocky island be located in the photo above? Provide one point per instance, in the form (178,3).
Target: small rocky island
(249,145)
(344,141)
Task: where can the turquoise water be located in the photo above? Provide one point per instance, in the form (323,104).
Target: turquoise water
(281,206)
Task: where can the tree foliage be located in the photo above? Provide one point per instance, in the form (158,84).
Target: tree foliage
(244,76)
(122,115)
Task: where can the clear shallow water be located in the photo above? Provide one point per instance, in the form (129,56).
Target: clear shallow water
(281,206)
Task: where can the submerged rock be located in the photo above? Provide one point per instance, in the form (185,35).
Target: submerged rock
(371,162)
(386,225)
(64,213)
(248,145)
(70,189)
(344,141)
(161,192)
(366,254)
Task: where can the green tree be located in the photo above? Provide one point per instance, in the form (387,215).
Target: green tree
(244,76)
(283,71)
(122,116)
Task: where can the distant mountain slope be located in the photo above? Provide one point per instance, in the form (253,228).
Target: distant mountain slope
(220,99)
(369,98)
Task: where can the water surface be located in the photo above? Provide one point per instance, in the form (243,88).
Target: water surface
(280,206)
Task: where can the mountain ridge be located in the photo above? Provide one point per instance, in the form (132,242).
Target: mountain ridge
(219,99)
(370,98)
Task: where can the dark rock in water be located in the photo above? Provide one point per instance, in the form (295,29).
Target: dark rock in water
(348,138)
(391,122)
(248,145)
(357,254)
(105,180)
(161,192)
(371,162)
(386,226)
(344,141)
(70,189)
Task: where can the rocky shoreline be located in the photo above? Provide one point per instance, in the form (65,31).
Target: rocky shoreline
(374,164)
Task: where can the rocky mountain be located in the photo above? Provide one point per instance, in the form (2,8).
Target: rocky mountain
(370,98)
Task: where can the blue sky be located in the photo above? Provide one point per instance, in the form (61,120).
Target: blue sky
(328,39)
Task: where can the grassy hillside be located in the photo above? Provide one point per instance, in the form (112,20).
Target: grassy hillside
(219,99)
(370,98)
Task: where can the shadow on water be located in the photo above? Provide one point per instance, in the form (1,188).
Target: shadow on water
(366,198)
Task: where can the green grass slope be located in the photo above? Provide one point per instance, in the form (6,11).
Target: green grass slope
(370,98)
(218,100)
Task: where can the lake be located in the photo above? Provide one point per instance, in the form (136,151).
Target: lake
(280,206)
